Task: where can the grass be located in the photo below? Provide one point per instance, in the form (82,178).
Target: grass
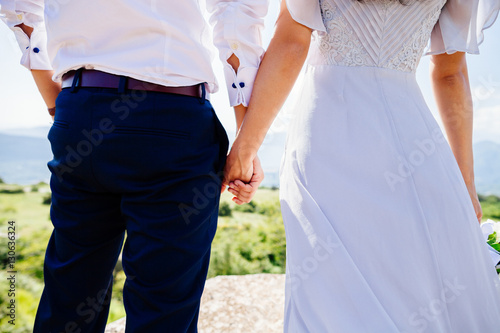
(250,240)
(24,205)
(26,209)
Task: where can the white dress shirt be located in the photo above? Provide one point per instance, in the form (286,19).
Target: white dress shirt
(164,42)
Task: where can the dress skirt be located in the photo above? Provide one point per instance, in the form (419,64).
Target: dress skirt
(381,233)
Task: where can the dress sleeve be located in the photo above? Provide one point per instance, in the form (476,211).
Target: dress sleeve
(461,24)
(238,26)
(308,13)
(34,49)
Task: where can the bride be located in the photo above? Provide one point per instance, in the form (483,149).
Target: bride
(380,211)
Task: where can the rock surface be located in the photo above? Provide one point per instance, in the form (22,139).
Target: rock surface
(234,304)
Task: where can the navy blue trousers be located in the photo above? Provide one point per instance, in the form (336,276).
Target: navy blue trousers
(144,163)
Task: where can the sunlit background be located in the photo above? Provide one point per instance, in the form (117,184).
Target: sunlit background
(25,150)
(23,112)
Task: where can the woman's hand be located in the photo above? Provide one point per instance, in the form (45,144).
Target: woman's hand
(243,193)
(243,174)
(238,166)
(471,187)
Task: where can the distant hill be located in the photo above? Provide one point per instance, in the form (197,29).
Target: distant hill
(23,158)
(487,167)
(24,155)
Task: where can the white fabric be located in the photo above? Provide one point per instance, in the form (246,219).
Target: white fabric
(164,42)
(368,33)
(30,13)
(488,228)
(306,12)
(461,25)
(381,232)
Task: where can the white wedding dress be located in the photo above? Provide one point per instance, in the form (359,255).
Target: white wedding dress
(381,233)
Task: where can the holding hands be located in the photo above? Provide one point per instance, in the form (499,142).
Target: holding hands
(277,73)
(243,176)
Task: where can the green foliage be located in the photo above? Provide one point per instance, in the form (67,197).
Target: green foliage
(116,310)
(491,207)
(11,190)
(250,247)
(1,181)
(269,209)
(248,241)
(493,241)
(47,199)
(489,198)
(247,208)
(225,209)
(27,292)
(10,209)
(31,253)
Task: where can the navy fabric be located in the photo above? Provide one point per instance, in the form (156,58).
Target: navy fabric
(143,164)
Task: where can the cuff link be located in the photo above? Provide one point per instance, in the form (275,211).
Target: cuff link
(241,84)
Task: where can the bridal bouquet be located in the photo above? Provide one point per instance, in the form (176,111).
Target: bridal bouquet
(491,231)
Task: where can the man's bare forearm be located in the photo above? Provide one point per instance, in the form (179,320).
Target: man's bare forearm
(48,88)
(239,110)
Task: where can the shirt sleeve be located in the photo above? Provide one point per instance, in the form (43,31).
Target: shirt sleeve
(461,24)
(308,13)
(31,13)
(238,26)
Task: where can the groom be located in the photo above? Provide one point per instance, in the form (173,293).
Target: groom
(137,148)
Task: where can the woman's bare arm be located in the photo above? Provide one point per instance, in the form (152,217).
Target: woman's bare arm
(277,74)
(450,82)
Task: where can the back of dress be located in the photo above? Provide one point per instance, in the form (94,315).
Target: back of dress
(389,33)
(381,232)
(380,33)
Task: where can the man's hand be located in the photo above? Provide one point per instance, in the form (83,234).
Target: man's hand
(243,192)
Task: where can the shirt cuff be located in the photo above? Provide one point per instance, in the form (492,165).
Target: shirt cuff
(239,86)
(35,55)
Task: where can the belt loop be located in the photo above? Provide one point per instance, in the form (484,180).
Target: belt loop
(203,93)
(77,80)
(122,86)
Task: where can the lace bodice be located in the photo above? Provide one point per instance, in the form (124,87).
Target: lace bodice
(375,33)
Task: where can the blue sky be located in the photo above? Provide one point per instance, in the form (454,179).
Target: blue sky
(22,107)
